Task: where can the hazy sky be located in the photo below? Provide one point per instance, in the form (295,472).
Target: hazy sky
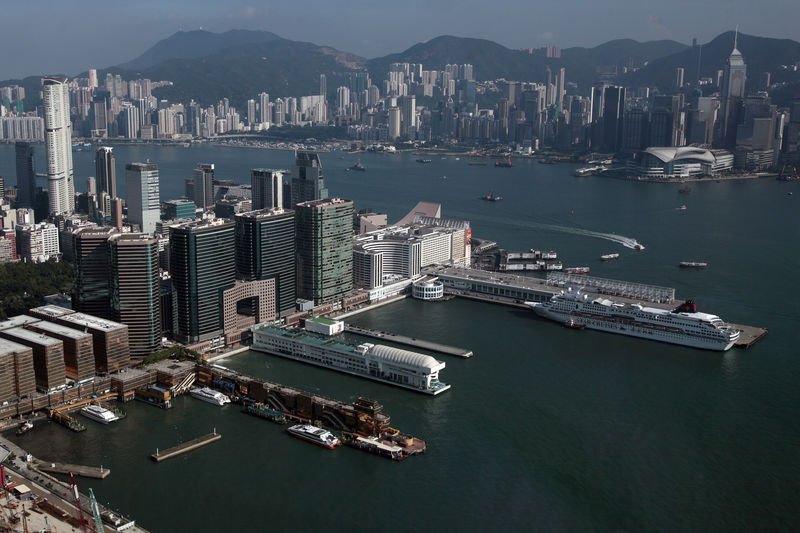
(70,36)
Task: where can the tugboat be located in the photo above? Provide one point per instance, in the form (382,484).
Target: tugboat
(24,428)
(504,164)
(358,166)
(491,197)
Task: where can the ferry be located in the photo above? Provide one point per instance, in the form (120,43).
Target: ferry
(683,325)
(424,161)
(24,428)
(314,435)
(609,257)
(210,396)
(99,414)
(692,264)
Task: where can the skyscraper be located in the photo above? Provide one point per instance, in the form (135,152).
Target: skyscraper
(324,237)
(26,174)
(307,180)
(679,75)
(204,185)
(267,188)
(265,248)
(135,290)
(201,265)
(323,86)
(613,106)
(90,288)
(106,170)
(263,107)
(733,84)
(58,145)
(144,208)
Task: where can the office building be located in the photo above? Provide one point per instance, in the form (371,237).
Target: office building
(613,106)
(106,170)
(144,208)
(267,188)
(17,376)
(204,185)
(58,145)
(37,243)
(26,174)
(265,249)
(181,208)
(324,237)
(91,255)
(308,183)
(733,86)
(202,266)
(666,121)
(135,290)
(679,75)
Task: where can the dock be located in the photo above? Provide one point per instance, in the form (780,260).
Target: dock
(185,447)
(79,470)
(749,335)
(408,341)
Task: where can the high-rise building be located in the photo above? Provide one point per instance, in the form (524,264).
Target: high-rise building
(144,208)
(679,74)
(91,186)
(106,170)
(201,266)
(409,109)
(323,86)
(265,248)
(58,145)
(666,128)
(204,185)
(135,290)
(26,174)
(307,180)
(263,107)
(613,106)
(394,123)
(174,209)
(92,78)
(267,188)
(324,237)
(733,84)
(90,288)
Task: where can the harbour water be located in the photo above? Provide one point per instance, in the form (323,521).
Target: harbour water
(545,428)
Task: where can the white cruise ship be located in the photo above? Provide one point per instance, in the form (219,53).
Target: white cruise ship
(99,414)
(210,396)
(684,325)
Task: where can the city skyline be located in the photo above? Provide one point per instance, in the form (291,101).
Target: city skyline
(572,24)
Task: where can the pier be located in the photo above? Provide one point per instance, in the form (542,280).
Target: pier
(408,341)
(185,447)
(79,470)
(749,335)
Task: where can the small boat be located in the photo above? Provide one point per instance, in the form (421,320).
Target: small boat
(423,161)
(358,166)
(99,414)
(504,164)
(609,257)
(577,270)
(24,428)
(491,197)
(682,208)
(314,435)
(571,324)
(637,246)
(692,264)
(684,190)
(458,159)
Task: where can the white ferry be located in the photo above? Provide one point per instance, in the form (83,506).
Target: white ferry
(210,396)
(315,435)
(99,414)
(609,257)
(684,325)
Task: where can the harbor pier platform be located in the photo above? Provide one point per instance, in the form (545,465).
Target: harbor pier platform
(409,341)
(185,447)
(79,470)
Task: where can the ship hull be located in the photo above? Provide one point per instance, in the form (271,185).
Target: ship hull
(610,326)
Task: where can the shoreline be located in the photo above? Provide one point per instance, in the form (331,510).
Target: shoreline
(715,179)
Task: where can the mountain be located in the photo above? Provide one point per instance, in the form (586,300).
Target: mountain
(195,44)
(491,60)
(761,54)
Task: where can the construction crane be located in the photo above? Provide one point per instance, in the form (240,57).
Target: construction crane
(98,520)
(77,499)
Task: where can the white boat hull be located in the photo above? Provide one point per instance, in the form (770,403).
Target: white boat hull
(619,328)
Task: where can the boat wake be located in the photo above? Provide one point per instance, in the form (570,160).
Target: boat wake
(628,242)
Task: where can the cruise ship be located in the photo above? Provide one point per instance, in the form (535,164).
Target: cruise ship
(210,396)
(402,368)
(314,435)
(99,414)
(684,325)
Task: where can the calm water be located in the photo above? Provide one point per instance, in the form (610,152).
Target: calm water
(545,429)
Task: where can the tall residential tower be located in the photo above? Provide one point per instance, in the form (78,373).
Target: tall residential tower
(58,145)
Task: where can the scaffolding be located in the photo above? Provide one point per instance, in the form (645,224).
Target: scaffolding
(626,289)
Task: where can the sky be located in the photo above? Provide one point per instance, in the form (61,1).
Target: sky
(71,36)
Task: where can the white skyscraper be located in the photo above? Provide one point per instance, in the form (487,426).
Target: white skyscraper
(267,188)
(58,145)
(144,206)
(263,107)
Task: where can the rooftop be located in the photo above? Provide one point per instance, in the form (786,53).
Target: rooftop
(93,322)
(53,310)
(8,347)
(17,321)
(58,329)
(32,336)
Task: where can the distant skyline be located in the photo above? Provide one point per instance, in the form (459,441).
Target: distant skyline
(71,36)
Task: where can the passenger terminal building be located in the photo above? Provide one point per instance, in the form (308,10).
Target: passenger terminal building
(679,162)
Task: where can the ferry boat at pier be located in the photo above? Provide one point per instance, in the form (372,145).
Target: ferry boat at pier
(210,396)
(683,325)
(99,414)
(314,435)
